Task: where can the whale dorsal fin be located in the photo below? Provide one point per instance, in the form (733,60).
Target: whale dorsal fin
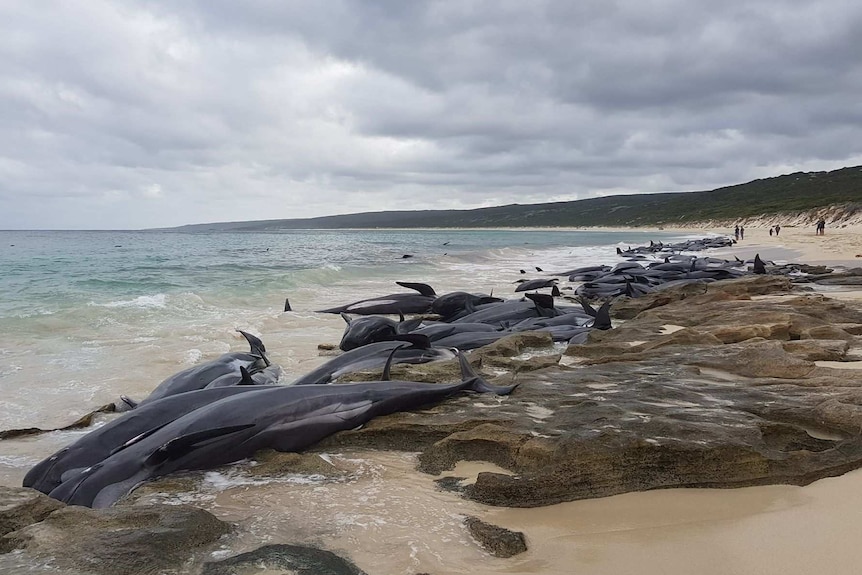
(542,300)
(408,325)
(246,377)
(387,376)
(423,289)
(176,448)
(346,318)
(603,316)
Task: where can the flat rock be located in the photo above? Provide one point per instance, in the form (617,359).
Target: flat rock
(515,344)
(292,559)
(818,349)
(147,539)
(20,507)
(739,288)
(497,541)
(728,397)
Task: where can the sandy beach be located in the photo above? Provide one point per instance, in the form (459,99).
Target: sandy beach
(777,529)
(838,246)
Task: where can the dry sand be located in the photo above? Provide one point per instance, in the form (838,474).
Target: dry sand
(838,246)
(778,529)
(771,530)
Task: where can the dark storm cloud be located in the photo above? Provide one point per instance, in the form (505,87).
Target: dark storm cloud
(134,114)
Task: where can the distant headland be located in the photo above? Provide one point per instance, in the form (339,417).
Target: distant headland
(800,198)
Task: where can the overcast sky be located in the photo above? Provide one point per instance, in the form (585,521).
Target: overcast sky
(134,113)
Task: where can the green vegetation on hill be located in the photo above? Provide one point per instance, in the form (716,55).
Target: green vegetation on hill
(789,194)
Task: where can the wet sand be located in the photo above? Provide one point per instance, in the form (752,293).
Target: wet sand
(392,520)
(780,530)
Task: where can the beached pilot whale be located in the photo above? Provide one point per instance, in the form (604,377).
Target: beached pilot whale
(284,418)
(372,328)
(375,355)
(451,304)
(101,442)
(394,304)
(199,376)
(527,285)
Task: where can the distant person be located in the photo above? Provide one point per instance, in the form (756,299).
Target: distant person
(821,227)
(777,229)
(770,232)
(736,233)
(741,233)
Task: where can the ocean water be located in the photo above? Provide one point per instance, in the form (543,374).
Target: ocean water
(88,316)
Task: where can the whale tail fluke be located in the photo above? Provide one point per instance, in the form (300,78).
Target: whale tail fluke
(477,382)
(256,345)
(423,289)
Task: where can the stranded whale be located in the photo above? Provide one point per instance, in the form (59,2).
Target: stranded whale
(284,418)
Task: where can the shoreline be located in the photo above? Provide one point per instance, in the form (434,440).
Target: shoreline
(772,529)
(839,246)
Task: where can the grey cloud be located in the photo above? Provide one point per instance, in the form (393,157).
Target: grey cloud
(137,114)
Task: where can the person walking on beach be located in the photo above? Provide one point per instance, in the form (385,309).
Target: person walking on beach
(736,233)
(770,231)
(777,229)
(741,233)
(821,227)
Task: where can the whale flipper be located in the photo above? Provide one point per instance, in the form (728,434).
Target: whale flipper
(183,444)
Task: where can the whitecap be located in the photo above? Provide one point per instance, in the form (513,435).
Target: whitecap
(193,356)
(144,301)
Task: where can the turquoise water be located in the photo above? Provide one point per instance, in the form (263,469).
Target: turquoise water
(88,316)
(48,272)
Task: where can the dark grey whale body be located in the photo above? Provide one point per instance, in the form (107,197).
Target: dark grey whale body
(284,418)
(394,304)
(375,355)
(99,443)
(199,376)
(372,329)
(451,304)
